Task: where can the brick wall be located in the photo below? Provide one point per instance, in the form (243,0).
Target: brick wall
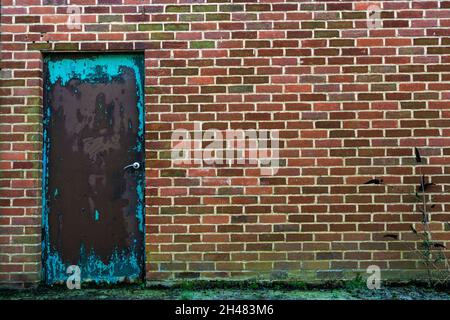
(350,101)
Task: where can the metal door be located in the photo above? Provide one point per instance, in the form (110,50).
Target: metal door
(93,167)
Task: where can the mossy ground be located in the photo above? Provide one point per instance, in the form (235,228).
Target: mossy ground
(349,291)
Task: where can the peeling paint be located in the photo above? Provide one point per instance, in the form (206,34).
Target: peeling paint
(121,265)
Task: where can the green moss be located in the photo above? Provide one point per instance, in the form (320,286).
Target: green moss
(150,27)
(162,36)
(326,34)
(153,90)
(24,240)
(177,9)
(35,174)
(176,27)
(202,44)
(172,210)
(191,17)
(34,137)
(204,8)
(173,173)
(34,101)
(35,156)
(35,118)
(39,46)
(231,7)
(32,110)
(123,27)
(66,46)
(109,18)
(12,83)
(165,155)
(218,17)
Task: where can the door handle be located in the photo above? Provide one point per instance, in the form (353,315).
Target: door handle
(134,165)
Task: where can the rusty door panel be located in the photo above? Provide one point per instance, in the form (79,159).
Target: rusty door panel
(93,208)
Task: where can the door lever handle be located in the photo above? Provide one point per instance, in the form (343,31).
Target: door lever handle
(134,165)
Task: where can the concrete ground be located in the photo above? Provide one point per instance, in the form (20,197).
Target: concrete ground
(409,292)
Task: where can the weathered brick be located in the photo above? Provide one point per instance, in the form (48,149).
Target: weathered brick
(202,44)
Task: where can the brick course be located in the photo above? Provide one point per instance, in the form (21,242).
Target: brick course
(351,103)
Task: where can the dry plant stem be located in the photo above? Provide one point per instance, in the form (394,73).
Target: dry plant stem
(428,255)
(426,228)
